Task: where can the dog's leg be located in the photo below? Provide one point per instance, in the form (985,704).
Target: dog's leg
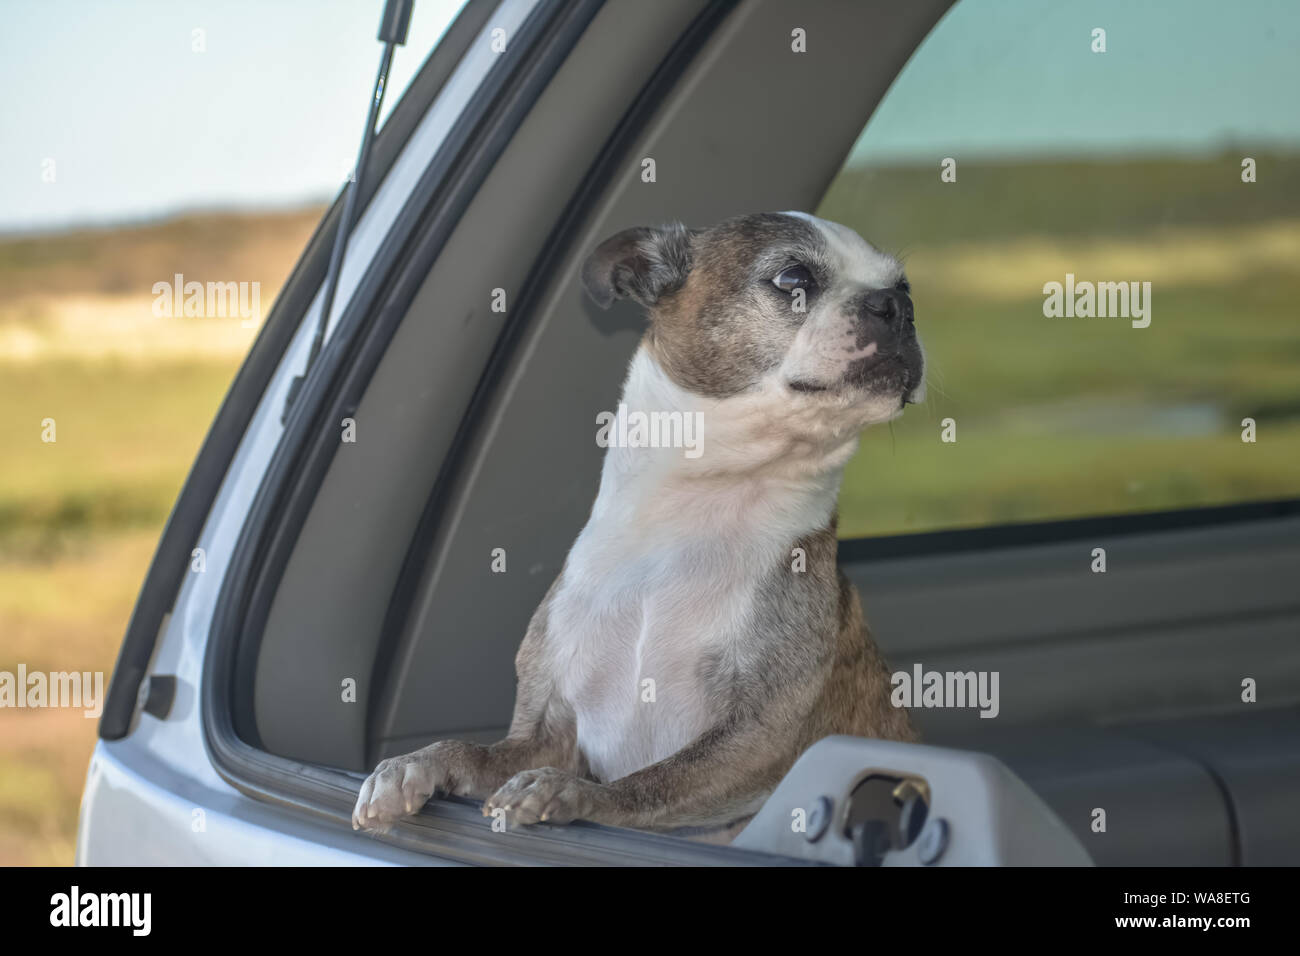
(543,732)
(720,776)
(400,786)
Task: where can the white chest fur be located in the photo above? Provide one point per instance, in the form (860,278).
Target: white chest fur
(659,590)
(632,635)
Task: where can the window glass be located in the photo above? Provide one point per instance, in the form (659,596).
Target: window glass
(1098,205)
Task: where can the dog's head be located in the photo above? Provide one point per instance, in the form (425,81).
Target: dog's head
(783,303)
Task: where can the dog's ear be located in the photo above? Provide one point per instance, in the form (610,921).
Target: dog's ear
(641,264)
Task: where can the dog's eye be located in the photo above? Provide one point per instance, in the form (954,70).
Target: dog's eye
(793,277)
(902,285)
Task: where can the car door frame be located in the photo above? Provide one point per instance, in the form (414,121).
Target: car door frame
(447,828)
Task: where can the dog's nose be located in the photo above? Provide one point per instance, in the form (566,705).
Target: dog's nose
(892,305)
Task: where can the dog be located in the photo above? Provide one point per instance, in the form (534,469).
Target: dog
(700,635)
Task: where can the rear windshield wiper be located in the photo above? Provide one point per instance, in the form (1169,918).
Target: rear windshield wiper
(392,33)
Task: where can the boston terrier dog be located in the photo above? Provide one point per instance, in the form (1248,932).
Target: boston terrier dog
(700,635)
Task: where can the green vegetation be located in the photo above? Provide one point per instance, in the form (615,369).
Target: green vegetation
(910,206)
(126,436)
(1058,417)
(132,396)
(128,260)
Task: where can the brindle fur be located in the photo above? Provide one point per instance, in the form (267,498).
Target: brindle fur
(811,668)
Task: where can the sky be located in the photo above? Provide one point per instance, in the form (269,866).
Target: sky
(1017,77)
(139,125)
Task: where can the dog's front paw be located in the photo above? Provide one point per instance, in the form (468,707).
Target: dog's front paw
(398,787)
(546,795)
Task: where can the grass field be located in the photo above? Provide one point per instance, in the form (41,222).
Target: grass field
(1061,418)
(1055,417)
(132,396)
